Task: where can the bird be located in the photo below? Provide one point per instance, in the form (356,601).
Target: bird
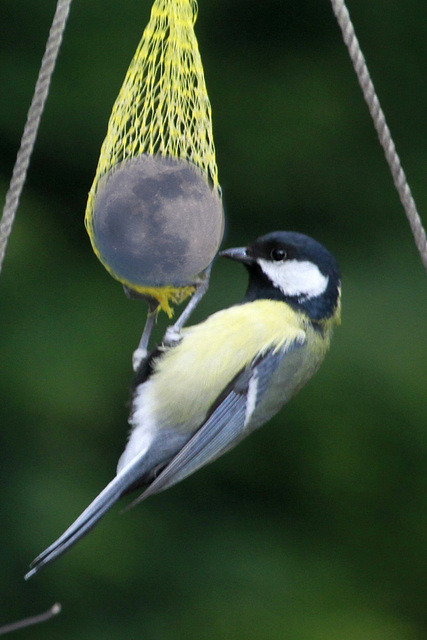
(195,398)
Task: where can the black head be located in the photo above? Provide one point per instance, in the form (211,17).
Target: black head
(294,268)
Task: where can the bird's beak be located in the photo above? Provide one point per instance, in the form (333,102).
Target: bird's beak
(240,254)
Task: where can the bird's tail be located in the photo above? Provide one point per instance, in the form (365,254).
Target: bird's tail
(87,520)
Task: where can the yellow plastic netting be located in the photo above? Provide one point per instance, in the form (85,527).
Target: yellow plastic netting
(163,106)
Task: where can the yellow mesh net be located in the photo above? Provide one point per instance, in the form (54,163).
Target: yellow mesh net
(162,108)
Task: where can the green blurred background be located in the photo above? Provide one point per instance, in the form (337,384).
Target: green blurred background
(315,528)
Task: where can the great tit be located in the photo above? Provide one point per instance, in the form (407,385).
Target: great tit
(194,400)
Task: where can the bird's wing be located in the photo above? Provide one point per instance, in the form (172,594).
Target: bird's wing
(225,426)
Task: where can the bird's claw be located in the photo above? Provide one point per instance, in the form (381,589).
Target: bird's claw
(172,336)
(137,357)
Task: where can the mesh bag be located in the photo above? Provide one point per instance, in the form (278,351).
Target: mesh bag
(161,119)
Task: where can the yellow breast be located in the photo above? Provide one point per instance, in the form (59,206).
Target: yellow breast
(188,378)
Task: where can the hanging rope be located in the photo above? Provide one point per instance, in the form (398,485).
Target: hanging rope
(29,622)
(32,124)
(343,17)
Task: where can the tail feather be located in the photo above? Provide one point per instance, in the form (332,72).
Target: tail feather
(89,518)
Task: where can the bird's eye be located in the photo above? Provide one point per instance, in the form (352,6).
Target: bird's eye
(278,255)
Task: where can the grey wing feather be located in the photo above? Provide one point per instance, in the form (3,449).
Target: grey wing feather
(224,428)
(210,441)
(267,364)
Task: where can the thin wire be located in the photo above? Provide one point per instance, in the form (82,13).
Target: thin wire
(343,17)
(29,622)
(32,124)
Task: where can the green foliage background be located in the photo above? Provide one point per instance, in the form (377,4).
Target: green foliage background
(315,528)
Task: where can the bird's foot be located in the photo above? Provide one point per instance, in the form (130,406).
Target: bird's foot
(137,357)
(172,336)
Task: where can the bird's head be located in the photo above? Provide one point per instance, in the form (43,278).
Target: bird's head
(294,268)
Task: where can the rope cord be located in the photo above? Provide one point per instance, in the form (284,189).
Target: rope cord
(29,622)
(343,17)
(32,124)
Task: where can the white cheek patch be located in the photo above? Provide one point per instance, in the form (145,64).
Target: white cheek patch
(295,278)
